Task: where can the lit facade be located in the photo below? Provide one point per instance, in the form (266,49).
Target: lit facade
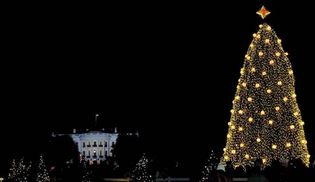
(94,146)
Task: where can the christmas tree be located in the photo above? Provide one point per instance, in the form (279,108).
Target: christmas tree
(42,174)
(13,171)
(20,172)
(86,176)
(266,121)
(141,172)
(210,166)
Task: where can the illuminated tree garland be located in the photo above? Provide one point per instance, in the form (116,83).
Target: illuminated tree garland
(265,120)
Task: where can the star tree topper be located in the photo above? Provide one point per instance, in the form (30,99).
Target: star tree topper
(263,12)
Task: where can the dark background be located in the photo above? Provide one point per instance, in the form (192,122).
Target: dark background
(168,70)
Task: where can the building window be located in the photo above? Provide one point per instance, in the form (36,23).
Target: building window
(83,144)
(94,153)
(83,153)
(94,144)
(101,144)
(101,153)
(105,144)
(105,153)
(89,145)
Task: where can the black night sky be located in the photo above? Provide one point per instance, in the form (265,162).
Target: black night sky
(167,70)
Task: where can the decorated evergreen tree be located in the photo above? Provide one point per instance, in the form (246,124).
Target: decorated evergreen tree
(210,166)
(141,171)
(266,121)
(42,173)
(13,171)
(20,172)
(86,176)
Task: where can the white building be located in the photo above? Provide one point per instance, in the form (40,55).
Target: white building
(94,146)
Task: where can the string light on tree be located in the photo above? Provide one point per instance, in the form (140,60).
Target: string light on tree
(290,72)
(272,127)
(264,161)
(258,140)
(278,54)
(279,83)
(279,41)
(257,36)
(262,113)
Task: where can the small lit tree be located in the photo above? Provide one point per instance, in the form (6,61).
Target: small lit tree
(141,171)
(211,165)
(42,173)
(86,177)
(22,172)
(13,171)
